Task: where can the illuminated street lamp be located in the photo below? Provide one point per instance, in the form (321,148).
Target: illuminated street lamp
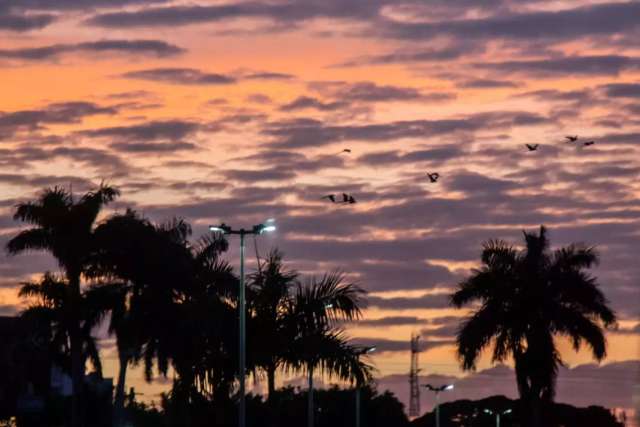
(437,390)
(266,227)
(366,350)
(497,414)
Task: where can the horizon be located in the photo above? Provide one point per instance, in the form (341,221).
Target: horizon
(234,111)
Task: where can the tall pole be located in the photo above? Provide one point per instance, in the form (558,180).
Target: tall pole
(437,409)
(243,330)
(310,411)
(357,406)
(498,420)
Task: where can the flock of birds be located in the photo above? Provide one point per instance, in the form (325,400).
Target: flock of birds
(569,138)
(434,176)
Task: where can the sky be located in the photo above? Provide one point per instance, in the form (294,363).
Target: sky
(239,111)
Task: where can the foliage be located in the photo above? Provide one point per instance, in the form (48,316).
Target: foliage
(526,297)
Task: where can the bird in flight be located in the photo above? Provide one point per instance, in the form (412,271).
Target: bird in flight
(347,198)
(346,150)
(588,143)
(433,177)
(570,138)
(331,197)
(532,147)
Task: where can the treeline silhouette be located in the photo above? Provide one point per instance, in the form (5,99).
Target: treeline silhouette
(171,302)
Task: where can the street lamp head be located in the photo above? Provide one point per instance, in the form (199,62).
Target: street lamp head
(371,349)
(222,228)
(508,411)
(488,411)
(448,387)
(268,226)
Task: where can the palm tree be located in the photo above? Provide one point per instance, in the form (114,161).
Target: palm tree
(526,297)
(152,262)
(269,293)
(64,227)
(317,343)
(54,309)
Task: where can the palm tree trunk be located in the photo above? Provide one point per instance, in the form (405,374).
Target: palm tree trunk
(271,382)
(118,401)
(310,410)
(77,365)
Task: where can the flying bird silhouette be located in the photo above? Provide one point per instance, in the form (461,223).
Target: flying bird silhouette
(351,200)
(588,143)
(331,197)
(433,177)
(346,150)
(571,138)
(532,147)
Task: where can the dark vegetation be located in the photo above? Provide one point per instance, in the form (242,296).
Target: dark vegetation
(171,303)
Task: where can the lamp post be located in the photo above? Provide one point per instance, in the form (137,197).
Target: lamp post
(497,414)
(437,390)
(268,226)
(365,350)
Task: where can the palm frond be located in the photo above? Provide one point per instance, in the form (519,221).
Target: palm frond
(33,239)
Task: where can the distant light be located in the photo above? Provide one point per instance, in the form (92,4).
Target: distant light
(371,349)
(270,220)
(216,229)
(508,411)
(449,387)
(488,411)
(268,228)
(328,306)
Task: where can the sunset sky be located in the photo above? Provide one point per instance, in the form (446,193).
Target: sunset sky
(238,111)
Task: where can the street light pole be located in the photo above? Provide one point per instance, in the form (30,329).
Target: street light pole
(242,309)
(437,391)
(242,413)
(357,406)
(437,408)
(365,350)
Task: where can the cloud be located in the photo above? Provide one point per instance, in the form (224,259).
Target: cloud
(267,75)
(80,4)
(392,321)
(594,65)
(486,84)
(447,53)
(56,113)
(621,90)
(137,47)
(11,20)
(152,147)
(291,12)
(300,133)
(568,24)
(307,102)
(251,176)
(168,130)
(426,301)
(435,154)
(372,92)
(180,76)
(384,345)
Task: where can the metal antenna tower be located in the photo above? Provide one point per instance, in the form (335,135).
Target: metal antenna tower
(414,386)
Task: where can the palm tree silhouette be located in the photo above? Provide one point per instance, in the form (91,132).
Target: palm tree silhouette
(526,298)
(53,308)
(269,294)
(318,344)
(64,227)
